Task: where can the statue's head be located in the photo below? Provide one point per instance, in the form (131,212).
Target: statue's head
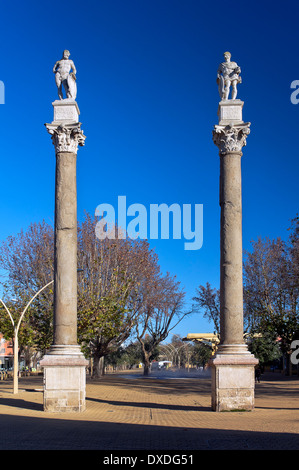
(227,56)
(66,54)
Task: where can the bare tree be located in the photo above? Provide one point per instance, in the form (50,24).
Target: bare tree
(208,301)
(163,311)
(27,261)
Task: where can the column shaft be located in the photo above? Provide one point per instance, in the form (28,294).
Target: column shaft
(65,280)
(231,285)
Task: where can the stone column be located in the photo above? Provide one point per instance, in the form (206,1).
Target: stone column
(64,365)
(233,365)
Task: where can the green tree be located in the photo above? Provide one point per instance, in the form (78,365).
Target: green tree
(120,286)
(201,354)
(132,354)
(271,291)
(111,287)
(264,347)
(116,358)
(116,280)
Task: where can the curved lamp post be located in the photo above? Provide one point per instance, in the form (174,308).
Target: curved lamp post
(16,332)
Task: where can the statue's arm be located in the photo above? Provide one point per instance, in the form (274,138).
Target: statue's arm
(237,69)
(55,66)
(73,67)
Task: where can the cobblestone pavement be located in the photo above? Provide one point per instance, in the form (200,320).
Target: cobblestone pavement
(129,412)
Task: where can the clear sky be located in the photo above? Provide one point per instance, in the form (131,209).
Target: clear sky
(147,93)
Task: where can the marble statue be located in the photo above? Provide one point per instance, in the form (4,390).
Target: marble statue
(65,78)
(228,75)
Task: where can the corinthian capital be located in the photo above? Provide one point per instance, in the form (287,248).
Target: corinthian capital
(66,137)
(231,138)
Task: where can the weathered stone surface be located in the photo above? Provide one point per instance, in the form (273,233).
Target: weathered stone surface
(66,136)
(65,254)
(66,110)
(230,111)
(64,379)
(233,383)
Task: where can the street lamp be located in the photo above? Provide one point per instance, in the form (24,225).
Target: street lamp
(16,332)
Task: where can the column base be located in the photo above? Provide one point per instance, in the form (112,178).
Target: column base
(64,379)
(233,379)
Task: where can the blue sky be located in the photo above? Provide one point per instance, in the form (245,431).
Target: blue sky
(147,93)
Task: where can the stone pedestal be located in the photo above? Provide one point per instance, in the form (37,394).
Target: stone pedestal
(233,365)
(233,380)
(66,110)
(64,379)
(230,111)
(65,365)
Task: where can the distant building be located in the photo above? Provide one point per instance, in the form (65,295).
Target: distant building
(6,353)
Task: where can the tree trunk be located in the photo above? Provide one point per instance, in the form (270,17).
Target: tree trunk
(98,366)
(147,364)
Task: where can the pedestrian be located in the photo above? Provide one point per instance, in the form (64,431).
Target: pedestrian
(258,374)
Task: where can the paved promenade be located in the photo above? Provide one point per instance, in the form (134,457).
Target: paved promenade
(126,411)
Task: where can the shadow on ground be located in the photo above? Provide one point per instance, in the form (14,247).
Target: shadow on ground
(58,434)
(52,433)
(19,403)
(150,405)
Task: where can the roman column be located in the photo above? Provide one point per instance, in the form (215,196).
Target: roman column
(64,365)
(233,365)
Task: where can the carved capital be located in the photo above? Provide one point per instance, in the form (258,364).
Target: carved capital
(231,138)
(66,137)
